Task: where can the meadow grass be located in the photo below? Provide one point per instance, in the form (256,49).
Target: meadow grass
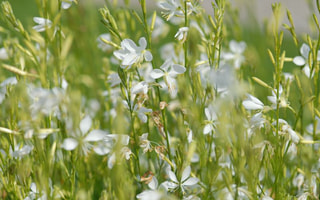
(115,102)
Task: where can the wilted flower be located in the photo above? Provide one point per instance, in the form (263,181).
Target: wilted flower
(130,53)
(145,143)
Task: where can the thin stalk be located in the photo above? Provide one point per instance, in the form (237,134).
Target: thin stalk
(148,34)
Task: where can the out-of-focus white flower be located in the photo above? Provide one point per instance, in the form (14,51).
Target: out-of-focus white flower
(46,101)
(114,79)
(185,181)
(169,71)
(141,87)
(66,4)
(211,120)
(3,54)
(145,143)
(130,53)
(236,54)
(3,87)
(303,59)
(310,126)
(252,103)
(160,29)
(20,151)
(273,98)
(81,136)
(182,34)
(153,193)
(285,128)
(126,152)
(102,45)
(141,112)
(298,181)
(172,8)
(43,24)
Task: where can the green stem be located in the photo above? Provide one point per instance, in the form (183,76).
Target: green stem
(148,33)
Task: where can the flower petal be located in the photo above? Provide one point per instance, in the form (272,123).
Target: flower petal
(69,144)
(148,56)
(186,173)
(153,183)
(304,50)
(95,135)
(207,129)
(143,42)
(173,177)
(130,59)
(156,73)
(85,124)
(237,47)
(299,60)
(179,69)
(191,181)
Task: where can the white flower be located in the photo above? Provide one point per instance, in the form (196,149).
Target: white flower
(46,101)
(126,152)
(102,45)
(3,54)
(141,112)
(141,87)
(114,79)
(145,143)
(130,53)
(237,49)
(21,151)
(172,8)
(153,193)
(273,98)
(252,103)
(182,34)
(211,120)
(65,4)
(43,24)
(303,59)
(83,138)
(310,126)
(160,28)
(285,128)
(3,87)
(169,71)
(185,182)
